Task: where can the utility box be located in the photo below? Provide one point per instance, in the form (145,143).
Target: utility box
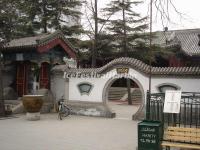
(150,135)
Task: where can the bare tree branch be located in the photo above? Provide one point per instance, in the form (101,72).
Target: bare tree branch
(92,6)
(105,22)
(87,5)
(88,19)
(178,12)
(162,8)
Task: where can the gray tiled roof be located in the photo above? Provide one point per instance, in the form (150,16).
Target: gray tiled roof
(34,41)
(25,42)
(187,39)
(136,64)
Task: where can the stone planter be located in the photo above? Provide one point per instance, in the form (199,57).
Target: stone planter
(32,104)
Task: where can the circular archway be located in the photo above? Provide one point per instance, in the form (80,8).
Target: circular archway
(116,98)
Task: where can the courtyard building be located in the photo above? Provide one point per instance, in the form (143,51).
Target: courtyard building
(28,61)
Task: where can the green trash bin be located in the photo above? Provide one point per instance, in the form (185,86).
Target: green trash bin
(150,135)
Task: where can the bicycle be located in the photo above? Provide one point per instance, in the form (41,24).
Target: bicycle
(63,110)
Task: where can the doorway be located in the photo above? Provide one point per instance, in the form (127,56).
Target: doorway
(117,98)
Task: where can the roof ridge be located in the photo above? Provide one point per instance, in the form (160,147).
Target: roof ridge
(138,65)
(179,30)
(37,35)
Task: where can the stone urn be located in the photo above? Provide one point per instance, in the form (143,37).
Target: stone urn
(32,104)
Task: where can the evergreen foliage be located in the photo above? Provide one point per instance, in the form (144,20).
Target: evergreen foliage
(132,23)
(126,26)
(12,21)
(21,18)
(50,15)
(111,34)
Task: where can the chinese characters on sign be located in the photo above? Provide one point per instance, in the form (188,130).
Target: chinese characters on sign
(122,70)
(148,135)
(172,102)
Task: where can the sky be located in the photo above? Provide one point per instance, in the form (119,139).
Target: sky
(189,19)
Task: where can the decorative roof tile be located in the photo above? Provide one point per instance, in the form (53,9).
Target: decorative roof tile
(35,41)
(135,64)
(187,39)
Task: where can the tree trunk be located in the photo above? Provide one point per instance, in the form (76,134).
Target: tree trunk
(94,52)
(125,36)
(2,107)
(128,82)
(44,20)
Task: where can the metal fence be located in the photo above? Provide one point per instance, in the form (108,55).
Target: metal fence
(189,115)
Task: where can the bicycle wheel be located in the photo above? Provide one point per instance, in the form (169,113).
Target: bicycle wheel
(66,111)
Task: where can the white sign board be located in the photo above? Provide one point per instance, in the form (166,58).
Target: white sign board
(172,102)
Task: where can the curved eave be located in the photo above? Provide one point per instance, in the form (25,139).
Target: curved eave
(56,35)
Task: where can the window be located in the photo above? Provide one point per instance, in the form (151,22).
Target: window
(167,86)
(85,88)
(19,57)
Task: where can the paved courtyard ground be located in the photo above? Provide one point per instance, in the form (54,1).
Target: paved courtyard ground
(72,133)
(123,111)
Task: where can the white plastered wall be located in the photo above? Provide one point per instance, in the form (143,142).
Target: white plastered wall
(58,86)
(99,85)
(69,88)
(186,84)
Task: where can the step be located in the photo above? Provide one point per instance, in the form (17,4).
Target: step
(117,93)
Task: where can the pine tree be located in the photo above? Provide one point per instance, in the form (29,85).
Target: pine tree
(48,15)
(12,21)
(21,18)
(127,27)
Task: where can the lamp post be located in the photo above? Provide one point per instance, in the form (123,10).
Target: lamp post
(2,107)
(150,63)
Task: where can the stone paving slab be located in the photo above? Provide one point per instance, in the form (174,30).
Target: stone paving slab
(123,111)
(72,133)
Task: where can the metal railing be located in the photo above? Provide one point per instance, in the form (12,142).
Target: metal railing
(189,115)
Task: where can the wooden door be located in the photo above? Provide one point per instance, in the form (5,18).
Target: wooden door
(21,85)
(45,75)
